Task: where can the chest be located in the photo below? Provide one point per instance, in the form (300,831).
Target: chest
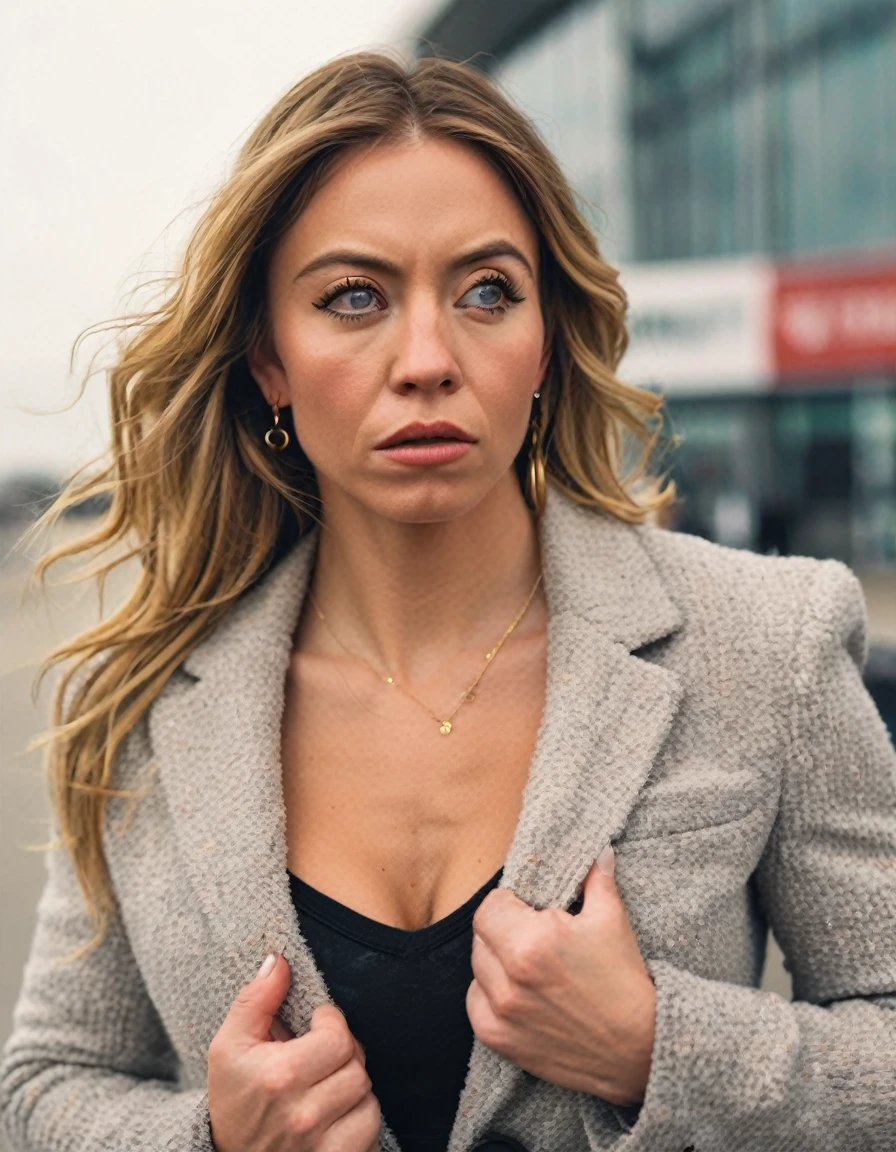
(389,816)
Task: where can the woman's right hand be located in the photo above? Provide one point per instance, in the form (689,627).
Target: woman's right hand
(269,1091)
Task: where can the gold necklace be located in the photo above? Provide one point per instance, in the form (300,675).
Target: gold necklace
(469,694)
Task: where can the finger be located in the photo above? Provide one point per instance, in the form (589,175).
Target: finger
(488,971)
(600,877)
(252,1012)
(324,1049)
(359,1048)
(479,1012)
(501,916)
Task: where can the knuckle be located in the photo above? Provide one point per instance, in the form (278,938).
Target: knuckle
(216,1049)
(275,1079)
(243,999)
(361,1081)
(489,1032)
(371,1110)
(304,1119)
(556,922)
(507,1001)
(342,1046)
(525,962)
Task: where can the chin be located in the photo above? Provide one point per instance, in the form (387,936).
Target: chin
(427,511)
(429,507)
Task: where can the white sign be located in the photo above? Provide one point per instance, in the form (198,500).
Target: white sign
(699,326)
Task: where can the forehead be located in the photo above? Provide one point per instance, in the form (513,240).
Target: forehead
(412,201)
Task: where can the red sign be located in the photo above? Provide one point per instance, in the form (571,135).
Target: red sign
(834,319)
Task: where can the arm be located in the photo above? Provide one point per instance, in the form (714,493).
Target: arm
(738,1069)
(88,1066)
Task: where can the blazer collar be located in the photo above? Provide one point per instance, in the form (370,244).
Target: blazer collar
(216,736)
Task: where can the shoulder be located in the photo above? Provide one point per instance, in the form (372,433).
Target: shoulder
(810,602)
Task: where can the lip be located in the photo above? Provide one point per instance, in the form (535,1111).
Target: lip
(436,452)
(419,431)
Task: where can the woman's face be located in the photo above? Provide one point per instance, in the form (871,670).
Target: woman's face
(407,291)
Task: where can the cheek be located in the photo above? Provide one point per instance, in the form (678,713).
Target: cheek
(331,388)
(511,355)
(506,377)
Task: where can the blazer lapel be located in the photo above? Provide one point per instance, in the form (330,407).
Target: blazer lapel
(216,734)
(606,715)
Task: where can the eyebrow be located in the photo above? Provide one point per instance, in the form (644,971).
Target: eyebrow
(378,264)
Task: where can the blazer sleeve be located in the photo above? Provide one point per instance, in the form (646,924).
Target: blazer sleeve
(737,1069)
(88,1066)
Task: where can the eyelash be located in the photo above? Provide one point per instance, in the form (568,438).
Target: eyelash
(512,293)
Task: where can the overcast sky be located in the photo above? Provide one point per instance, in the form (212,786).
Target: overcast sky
(115,118)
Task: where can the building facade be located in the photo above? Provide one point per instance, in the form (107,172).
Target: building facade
(737,161)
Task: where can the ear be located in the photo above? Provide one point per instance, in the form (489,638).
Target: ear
(268,373)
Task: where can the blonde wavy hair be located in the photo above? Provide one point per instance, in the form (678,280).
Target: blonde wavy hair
(197,499)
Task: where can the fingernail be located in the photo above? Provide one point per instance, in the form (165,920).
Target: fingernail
(607,860)
(268,967)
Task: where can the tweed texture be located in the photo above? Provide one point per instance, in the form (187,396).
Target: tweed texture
(704,712)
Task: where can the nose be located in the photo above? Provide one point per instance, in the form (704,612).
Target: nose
(424,357)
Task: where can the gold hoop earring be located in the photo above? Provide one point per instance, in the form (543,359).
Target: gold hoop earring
(537,485)
(276,437)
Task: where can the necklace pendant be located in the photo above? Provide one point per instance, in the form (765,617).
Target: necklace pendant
(470,697)
(445,727)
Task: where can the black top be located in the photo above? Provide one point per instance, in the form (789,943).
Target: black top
(404,997)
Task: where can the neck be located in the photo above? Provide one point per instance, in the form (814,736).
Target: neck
(407,597)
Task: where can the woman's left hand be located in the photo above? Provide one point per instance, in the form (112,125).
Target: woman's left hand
(567,998)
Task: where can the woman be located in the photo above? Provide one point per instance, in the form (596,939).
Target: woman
(405,673)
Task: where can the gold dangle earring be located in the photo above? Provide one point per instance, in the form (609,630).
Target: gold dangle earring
(276,437)
(537,486)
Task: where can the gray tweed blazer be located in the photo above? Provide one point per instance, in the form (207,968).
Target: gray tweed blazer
(705,712)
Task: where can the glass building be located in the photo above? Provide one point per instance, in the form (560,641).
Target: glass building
(763,125)
(710,130)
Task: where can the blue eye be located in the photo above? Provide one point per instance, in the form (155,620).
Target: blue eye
(359,295)
(491,293)
(487,294)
